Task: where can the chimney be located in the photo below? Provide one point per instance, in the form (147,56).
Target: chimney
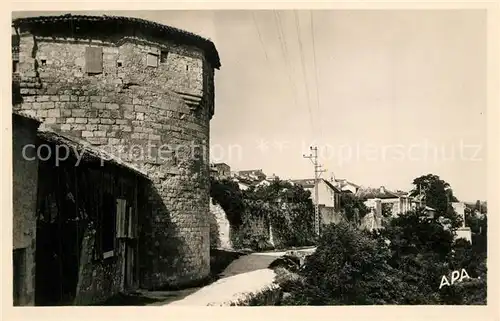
(382,189)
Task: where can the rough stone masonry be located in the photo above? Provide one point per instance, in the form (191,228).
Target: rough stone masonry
(125,82)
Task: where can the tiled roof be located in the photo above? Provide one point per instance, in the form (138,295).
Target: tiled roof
(178,35)
(368,192)
(87,151)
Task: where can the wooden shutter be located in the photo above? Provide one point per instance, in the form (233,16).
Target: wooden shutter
(121,218)
(152,60)
(93,60)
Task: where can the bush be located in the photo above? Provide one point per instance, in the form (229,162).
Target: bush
(401,264)
(348,267)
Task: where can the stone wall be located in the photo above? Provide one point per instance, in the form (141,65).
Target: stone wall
(164,110)
(329,215)
(25,178)
(222,227)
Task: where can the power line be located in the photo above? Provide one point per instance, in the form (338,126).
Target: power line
(315,71)
(260,36)
(282,40)
(297,23)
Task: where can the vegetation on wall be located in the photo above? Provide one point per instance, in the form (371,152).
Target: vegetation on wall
(353,208)
(285,207)
(228,195)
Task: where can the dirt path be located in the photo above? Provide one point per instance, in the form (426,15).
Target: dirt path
(248,263)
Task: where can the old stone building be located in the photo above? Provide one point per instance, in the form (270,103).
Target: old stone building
(144,92)
(88,207)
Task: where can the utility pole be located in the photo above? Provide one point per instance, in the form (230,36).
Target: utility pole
(317,173)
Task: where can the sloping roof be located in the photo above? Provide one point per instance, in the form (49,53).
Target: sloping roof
(344,182)
(88,151)
(250,172)
(306,183)
(26,116)
(309,183)
(369,192)
(177,35)
(336,189)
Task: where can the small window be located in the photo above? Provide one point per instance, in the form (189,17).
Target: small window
(152,60)
(93,60)
(163,56)
(118,63)
(187,67)
(43,61)
(15,66)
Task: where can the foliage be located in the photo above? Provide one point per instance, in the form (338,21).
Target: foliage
(478,226)
(400,264)
(438,193)
(353,207)
(253,233)
(228,195)
(286,207)
(387,209)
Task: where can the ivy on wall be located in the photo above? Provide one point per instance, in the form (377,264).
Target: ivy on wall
(284,208)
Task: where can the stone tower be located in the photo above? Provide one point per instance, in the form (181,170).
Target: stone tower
(144,92)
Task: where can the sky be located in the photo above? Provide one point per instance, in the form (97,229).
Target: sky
(385,95)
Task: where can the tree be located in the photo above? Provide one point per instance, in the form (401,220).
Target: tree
(348,267)
(402,263)
(353,207)
(438,193)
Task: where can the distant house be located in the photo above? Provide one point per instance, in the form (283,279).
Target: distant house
(385,201)
(220,170)
(328,198)
(328,194)
(254,174)
(248,178)
(343,184)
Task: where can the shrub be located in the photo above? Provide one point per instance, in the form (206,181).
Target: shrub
(348,267)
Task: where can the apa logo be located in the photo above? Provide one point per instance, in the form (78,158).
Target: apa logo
(455,276)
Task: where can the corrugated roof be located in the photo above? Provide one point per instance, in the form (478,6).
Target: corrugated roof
(87,150)
(175,34)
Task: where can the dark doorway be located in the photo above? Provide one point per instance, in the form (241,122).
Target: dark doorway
(19,271)
(59,236)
